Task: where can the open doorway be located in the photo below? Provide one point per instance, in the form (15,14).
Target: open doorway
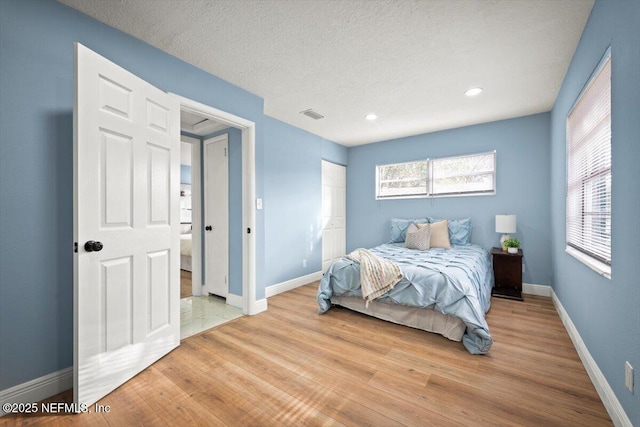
(243,294)
(210,171)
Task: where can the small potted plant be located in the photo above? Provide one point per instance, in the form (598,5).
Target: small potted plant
(512,245)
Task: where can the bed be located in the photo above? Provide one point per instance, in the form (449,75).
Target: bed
(447,291)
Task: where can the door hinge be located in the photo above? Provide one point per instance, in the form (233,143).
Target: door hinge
(225,280)
(225,151)
(75,247)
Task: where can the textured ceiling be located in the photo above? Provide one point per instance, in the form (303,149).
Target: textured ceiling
(407,61)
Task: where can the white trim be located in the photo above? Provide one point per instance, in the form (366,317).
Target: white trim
(196,216)
(39,388)
(260,306)
(249,220)
(249,304)
(235,300)
(279,288)
(608,397)
(533,289)
(596,265)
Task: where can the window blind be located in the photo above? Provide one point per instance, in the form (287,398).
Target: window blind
(588,211)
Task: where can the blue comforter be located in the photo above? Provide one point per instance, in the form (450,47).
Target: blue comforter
(455,281)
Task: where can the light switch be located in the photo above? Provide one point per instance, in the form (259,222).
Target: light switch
(258,203)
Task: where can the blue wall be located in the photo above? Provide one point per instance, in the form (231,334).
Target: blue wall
(235,207)
(334,153)
(605,312)
(185,174)
(36,169)
(522,186)
(293,199)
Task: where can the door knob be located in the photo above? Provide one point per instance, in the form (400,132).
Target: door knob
(208,228)
(93,246)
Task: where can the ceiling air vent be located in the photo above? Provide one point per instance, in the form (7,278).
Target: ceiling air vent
(312,114)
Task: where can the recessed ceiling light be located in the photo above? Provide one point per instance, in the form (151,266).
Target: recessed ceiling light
(473,91)
(371,117)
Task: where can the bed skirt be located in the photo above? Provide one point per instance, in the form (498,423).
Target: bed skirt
(185,262)
(420,318)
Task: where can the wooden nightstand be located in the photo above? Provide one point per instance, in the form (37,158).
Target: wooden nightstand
(507,269)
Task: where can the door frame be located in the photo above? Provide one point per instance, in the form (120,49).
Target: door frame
(248,128)
(196,221)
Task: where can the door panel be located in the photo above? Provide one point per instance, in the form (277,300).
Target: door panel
(126,196)
(116,179)
(216,213)
(159,179)
(115,316)
(333,213)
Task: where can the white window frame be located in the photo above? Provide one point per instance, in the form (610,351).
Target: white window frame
(602,267)
(429,179)
(402,196)
(491,192)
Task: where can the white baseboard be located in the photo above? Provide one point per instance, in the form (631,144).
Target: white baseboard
(238,302)
(292,284)
(259,306)
(235,301)
(608,397)
(540,290)
(38,389)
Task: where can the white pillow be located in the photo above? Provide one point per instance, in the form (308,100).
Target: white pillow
(418,237)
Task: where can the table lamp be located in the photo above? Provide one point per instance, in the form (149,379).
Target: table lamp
(505,224)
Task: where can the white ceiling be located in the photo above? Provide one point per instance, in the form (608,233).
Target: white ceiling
(407,61)
(199,125)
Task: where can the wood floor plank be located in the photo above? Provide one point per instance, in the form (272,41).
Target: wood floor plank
(291,366)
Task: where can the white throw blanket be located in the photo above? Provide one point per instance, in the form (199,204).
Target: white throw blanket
(377,275)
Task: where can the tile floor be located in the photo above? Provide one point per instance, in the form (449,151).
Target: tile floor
(198,314)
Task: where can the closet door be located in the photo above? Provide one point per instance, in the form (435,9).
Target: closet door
(334,213)
(216,214)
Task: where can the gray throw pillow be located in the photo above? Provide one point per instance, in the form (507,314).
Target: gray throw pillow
(418,237)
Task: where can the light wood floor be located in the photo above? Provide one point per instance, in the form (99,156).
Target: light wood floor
(290,366)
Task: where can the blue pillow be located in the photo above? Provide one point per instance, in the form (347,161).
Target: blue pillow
(459,230)
(399,228)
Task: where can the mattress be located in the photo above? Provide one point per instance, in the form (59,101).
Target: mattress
(455,282)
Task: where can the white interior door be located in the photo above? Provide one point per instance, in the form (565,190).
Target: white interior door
(126,198)
(216,214)
(334,213)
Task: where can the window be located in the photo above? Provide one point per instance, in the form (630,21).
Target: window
(474,174)
(589,173)
(449,176)
(402,180)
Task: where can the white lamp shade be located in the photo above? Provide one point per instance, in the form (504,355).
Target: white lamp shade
(505,224)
